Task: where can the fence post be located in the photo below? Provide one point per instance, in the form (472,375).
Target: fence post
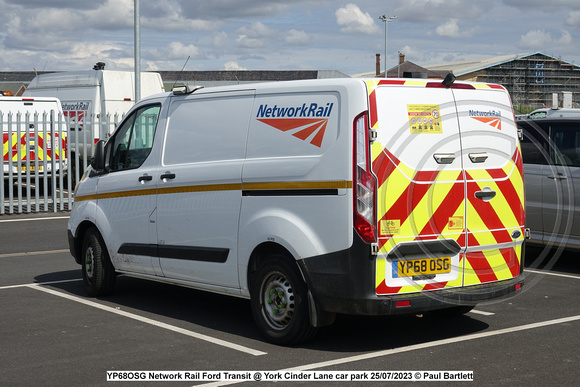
(19,159)
(27,155)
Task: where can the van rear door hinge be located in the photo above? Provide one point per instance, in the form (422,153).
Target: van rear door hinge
(373,135)
(374,249)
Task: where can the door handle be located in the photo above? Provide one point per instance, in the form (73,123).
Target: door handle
(478,157)
(168,175)
(485,194)
(559,176)
(444,158)
(145,178)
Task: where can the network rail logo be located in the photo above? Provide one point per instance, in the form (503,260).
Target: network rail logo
(490,117)
(307,121)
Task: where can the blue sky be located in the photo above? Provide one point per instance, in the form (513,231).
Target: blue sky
(70,35)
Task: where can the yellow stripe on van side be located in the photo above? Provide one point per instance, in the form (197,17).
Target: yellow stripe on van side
(221,187)
(298,185)
(85,198)
(126,194)
(200,188)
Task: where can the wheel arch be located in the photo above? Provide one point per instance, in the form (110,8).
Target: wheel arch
(80,236)
(264,251)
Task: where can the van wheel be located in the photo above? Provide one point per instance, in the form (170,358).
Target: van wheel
(279,302)
(98,271)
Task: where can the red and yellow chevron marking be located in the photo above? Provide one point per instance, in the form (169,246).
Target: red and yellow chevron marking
(490,224)
(41,148)
(427,205)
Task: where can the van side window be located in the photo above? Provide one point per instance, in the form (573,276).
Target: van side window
(535,143)
(566,144)
(132,143)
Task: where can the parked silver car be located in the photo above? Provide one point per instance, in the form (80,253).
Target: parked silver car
(551,155)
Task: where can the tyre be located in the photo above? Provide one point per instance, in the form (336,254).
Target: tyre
(279,302)
(98,271)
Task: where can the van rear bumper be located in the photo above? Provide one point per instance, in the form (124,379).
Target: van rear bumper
(344,282)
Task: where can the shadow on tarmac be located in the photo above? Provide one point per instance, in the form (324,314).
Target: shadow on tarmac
(232,315)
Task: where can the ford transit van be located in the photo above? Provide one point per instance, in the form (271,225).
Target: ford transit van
(311,198)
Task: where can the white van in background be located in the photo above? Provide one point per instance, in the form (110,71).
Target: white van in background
(34,135)
(93,100)
(311,198)
(554,113)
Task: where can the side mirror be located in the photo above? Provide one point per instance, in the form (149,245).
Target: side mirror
(98,160)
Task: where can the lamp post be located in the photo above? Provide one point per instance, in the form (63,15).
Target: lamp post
(386,20)
(137,26)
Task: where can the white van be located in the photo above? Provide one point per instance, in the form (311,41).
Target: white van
(554,113)
(92,100)
(34,137)
(311,198)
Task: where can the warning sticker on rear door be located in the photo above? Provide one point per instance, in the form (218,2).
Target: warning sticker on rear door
(424,119)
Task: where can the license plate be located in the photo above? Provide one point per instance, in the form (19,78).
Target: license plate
(423,266)
(31,169)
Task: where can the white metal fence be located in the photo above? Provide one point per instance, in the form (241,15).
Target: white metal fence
(44,155)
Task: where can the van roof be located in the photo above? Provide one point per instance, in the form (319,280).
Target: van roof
(32,99)
(333,82)
(64,79)
(74,78)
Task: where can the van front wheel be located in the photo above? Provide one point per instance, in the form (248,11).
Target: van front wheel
(279,302)
(98,271)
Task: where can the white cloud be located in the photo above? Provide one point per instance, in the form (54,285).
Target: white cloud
(535,39)
(297,38)
(113,15)
(256,30)
(254,36)
(245,41)
(178,50)
(354,20)
(220,39)
(233,66)
(434,11)
(574,19)
(542,40)
(449,29)
(565,39)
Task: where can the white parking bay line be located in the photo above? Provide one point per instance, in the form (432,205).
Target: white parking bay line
(545,272)
(33,219)
(482,312)
(34,253)
(146,320)
(394,351)
(39,283)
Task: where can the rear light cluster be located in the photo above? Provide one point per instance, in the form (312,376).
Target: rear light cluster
(364,184)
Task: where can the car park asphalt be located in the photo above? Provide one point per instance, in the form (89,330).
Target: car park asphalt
(53,334)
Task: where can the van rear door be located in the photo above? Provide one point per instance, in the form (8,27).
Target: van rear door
(449,204)
(494,178)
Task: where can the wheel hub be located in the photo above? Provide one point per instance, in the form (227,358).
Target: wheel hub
(89,263)
(278,297)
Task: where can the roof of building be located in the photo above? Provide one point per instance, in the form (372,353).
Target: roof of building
(410,67)
(249,75)
(405,69)
(13,80)
(472,65)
